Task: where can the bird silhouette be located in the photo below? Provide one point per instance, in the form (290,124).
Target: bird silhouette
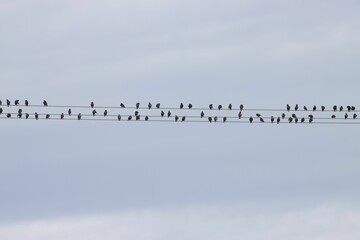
(181,105)
(169,113)
(176,118)
(158,105)
(190,106)
(20,110)
(302,119)
(26,103)
(79,116)
(8,115)
(105,113)
(314,108)
(348,108)
(1,110)
(7,102)
(219,107)
(322,108)
(36,116)
(311,116)
(27,115)
(122,105)
(272,119)
(137,105)
(335,108)
(352,108)
(305,108)
(62,116)
(69,111)
(341,108)
(278,120)
(211,107)
(296,120)
(183,119)
(346,116)
(16,102)
(94,112)
(258,115)
(162,113)
(137,117)
(288,107)
(311,120)
(296,107)
(290,119)
(239,115)
(262,120)
(146,118)
(119,117)
(224,119)
(283,116)
(215,119)
(45,103)
(129,118)
(354,116)
(136,113)
(293,115)
(0,103)
(241,107)
(19,115)
(149,105)
(230,106)
(251,119)
(333,116)
(210,119)
(92,105)
(47,116)
(202,114)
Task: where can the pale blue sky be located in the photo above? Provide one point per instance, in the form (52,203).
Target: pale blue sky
(179,181)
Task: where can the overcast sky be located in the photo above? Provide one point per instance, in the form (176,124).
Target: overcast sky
(137,180)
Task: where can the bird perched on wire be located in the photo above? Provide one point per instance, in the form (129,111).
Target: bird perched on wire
(176,118)
(137,117)
(146,118)
(16,102)
(158,105)
(335,108)
(230,106)
(162,113)
(305,108)
(290,119)
(215,119)
(219,107)
(0,103)
(258,115)
(190,106)
(45,103)
(92,104)
(341,108)
(119,117)
(20,110)
(129,118)
(272,119)
(137,105)
(169,113)
(211,107)
(262,120)
(311,120)
(94,112)
(241,107)
(283,116)
(210,119)
(8,115)
(354,116)
(47,116)
(296,107)
(288,107)
(239,114)
(202,114)
(69,111)
(1,110)
(322,108)
(224,119)
(122,105)
(296,120)
(314,108)
(26,103)
(181,105)
(333,116)
(183,119)
(7,102)
(302,119)
(149,105)
(27,115)
(62,116)
(19,115)
(348,108)
(251,119)
(136,113)
(79,116)
(36,116)
(278,120)
(105,113)
(346,116)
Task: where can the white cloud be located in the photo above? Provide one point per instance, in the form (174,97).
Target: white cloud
(323,222)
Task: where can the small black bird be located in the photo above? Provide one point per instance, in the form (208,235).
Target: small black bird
(16,102)
(239,114)
(210,119)
(94,112)
(219,107)
(288,107)
(290,119)
(296,120)
(8,102)
(0,103)
(169,113)
(8,115)
(333,116)
(251,119)
(119,117)
(346,116)
(122,105)
(136,113)
(258,115)
(79,116)
(314,108)
(262,120)
(137,117)
(335,108)
(211,107)
(190,106)
(176,118)
(1,110)
(137,105)
(305,108)
(283,116)
(36,116)
(92,104)
(27,115)
(302,119)
(296,107)
(181,105)
(158,105)
(26,103)
(341,108)
(20,111)
(272,119)
(47,116)
(278,120)
(352,108)
(293,115)
(19,115)
(311,120)
(215,119)
(202,114)
(146,118)
(311,116)
(241,107)
(45,103)
(322,108)
(129,118)
(354,116)
(162,113)
(348,108)
(224,119)
(230,106)
(69,111)
(183,119)
(105,113)
(62,116)
(149,105)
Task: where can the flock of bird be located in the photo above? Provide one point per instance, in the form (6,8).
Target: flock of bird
(289,114)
